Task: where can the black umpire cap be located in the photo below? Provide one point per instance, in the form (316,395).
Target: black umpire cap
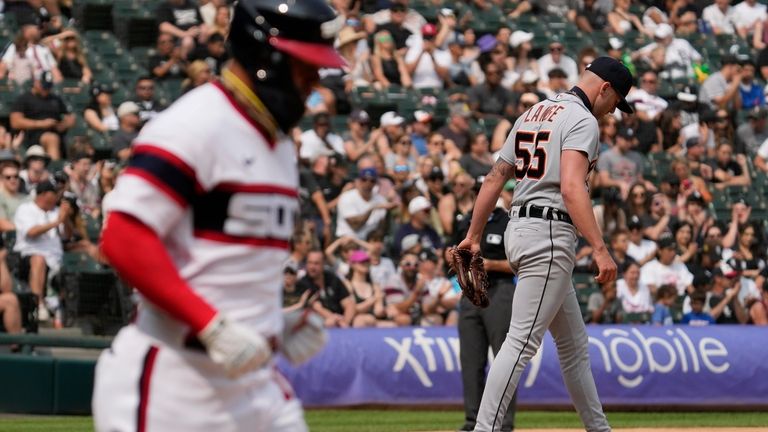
(615,73)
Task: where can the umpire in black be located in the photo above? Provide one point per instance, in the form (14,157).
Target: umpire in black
(481,328)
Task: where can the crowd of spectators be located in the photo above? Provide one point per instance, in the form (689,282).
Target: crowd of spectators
(679,190)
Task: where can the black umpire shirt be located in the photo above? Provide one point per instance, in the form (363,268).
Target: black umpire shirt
(492,241)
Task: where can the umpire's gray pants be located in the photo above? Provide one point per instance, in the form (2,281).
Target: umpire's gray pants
(541,252)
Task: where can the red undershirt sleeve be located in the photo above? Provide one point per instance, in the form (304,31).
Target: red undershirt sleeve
(152,271)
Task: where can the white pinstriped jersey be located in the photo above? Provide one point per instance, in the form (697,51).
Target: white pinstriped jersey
(538,137)
(221,198)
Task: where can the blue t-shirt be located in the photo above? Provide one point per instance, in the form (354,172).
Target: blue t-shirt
(751,96)
(661,315)
(697,319)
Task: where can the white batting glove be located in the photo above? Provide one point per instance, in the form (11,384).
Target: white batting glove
(235,348)
(303,335)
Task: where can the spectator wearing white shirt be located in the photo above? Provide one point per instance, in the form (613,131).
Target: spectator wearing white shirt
(648,104)
(635,297)
(679,53)
(428,65)
(38,241)
(720,16)
(557,59)
(319,140)
(761,158)
(37,58)
(640,249)
(665,270)
(748,17)
(362,210)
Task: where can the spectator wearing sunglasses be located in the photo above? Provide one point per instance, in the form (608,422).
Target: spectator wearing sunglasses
(557,59)
(361,209)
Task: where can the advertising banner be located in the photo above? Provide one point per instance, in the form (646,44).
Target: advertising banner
(632,365)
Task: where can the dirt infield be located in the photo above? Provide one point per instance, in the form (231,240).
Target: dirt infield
(677,429)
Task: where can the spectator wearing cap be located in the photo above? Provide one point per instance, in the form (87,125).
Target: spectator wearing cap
(557,82)
(679,54)
(149,106)
(520,57)
(721,89)
(361,209)
(621,20)
(591,17)
(100,115)
(729,170)
(419,209)
(11,193)
(421,128)
(169,61)
(648,104)
(456,129)
(752,133)
(621,166)
(35,167)
(639,248)
(665,270)
(479,160)
(748,17)
(43,116)
(130,123)
(335,304)
(368,296)
(356,135)
(750,90)
(387,63)
(291,296)
(439,304)
(435,189)
(720,16)
(391,128)
(398,16)
(687,102)
(37,240)
(529,83)
(27,57)
(320,140)
(723,301)
(427,65)
(490,99)
(556,58)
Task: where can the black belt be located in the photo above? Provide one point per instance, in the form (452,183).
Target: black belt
(548,213)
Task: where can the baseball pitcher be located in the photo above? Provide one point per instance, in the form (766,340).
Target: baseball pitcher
(550,151)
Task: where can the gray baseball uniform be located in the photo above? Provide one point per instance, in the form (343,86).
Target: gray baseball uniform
(541,253)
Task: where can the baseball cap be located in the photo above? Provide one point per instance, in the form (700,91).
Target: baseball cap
(368,173)
(529,77)
(422,116)
(126,108)
(626,133)
(46,80)
(398,7)
(45,186)
(729,59)
(436,173)
(390,118)
(7,156)
(725,269)
(409,241)
(290,268)
(460,109)
(519,37)
(615,43)
(418,204)
(428,255)
(688,94)
(359,116)
(692,142)
(695,197)
(98,89)
(36,152)
(428,30)
(359,256)
(634,222)
(487,43)
(615,73)
(663,31)
(666,241)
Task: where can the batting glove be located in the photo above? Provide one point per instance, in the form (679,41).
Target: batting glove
(234,347)
(303,335)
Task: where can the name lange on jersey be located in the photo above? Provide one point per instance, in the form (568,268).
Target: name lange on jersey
(542,113)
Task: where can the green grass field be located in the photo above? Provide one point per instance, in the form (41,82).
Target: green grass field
(397,421)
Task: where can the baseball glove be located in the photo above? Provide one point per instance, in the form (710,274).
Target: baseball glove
(471,275)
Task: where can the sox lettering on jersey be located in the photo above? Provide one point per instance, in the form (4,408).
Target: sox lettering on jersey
(266,216)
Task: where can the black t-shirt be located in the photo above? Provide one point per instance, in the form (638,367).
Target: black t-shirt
(728,316)
(36,107)
(732,168)
(460,139)
(122,140)
(474,167)
(399,33)
(215,63)
(184,16)
(70,68)
(491,100)
(176,71)
(330,191)
(331,295)
(307,186)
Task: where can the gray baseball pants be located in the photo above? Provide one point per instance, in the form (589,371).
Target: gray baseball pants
(542,254)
